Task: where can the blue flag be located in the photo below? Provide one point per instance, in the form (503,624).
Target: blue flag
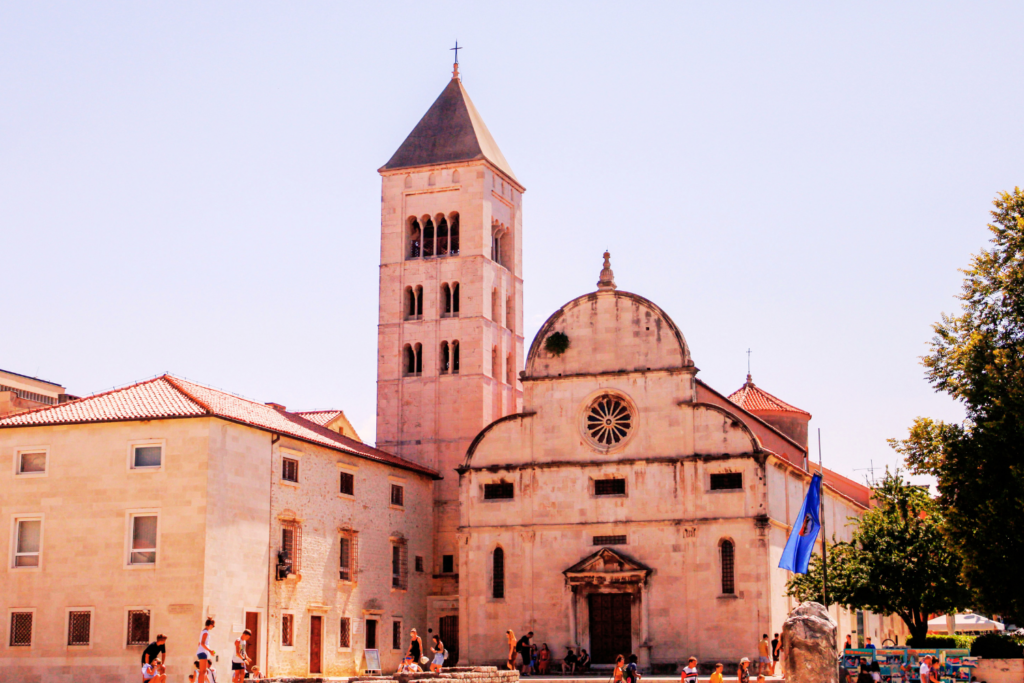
(800,545)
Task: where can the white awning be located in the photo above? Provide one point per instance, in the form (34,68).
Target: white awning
(965,622)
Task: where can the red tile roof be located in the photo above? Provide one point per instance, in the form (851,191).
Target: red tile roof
(172,397)
(754,399)
(321,417)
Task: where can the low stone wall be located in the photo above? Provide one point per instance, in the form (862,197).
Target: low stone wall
(1000,670)
(469,674)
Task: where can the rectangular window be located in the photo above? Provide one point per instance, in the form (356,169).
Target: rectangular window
(290,470)
(79,628)
(396,566)
(610,540)
(21,629)
(348,483)
(291,544)
(32,462)
(345,550)
(396,635)
(28,543)
(397,495)
(138,627)
(287,624)
(609,487)
(419,564)
(726,481)
(145,457)
(501,491)
(144,532)
(344,630)
(447,564)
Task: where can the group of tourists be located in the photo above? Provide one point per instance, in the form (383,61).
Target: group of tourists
(415,659)
(154,657)
(529,659)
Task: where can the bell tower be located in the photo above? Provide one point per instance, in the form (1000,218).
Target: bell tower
(450,332)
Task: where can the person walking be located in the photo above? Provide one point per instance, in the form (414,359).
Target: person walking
(205,653)
(775,652)
(717,676)
(617,674)
(743,675)
(632,674)
(416,649)
(511,637)
(523,648)
(240,660)
(764,652)
(438,649)
(689,671)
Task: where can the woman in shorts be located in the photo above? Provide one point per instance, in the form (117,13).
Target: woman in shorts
(438,649)
(205,653)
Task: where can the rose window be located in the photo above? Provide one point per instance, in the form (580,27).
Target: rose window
(608,421)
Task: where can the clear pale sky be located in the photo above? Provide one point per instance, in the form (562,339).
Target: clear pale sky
(192,187)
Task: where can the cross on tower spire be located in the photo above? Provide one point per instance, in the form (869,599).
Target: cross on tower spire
(455,72)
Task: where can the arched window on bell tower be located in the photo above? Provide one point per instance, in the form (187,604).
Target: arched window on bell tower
(455,357)
(442,235)
(455,299)
(414,238)
(428,237)
(446,358)
(408,361)
(418,349)
(419,301)
(453,233)
(446,300)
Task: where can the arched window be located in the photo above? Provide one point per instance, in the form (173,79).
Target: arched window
(419,301)
(408,361)
(445,358)
(442,236)
(408,181)
(409,303)
(498,574)
(495,248)
(414,238)
(446,300)
(455,176)
(455,299)
(509,377)
(431,180)
(455,357)
(428,237)
(495,370)
(728,553)
(419,358)
(453,233)
(495,315)
(508,312)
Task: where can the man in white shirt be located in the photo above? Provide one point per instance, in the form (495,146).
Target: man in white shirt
(690,671)
(925,670)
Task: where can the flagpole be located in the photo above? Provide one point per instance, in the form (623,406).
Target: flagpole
(824,536)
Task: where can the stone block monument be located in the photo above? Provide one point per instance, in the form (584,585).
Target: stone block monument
(809,652)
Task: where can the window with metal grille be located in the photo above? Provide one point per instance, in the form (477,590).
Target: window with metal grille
(79,627)
(503,490)
(447,564)
(609,487)
(21,629)
(398,565)
(728,552)
(290,470)
(726,480)
(396,635)
(398,495)
(344,640)
(498,575)
(287,628)
(419,564)
(345,551)
(291,544)
(610,540)
(348,483)
(138,627)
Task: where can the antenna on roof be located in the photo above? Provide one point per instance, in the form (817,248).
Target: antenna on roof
(870,477)
(748,365)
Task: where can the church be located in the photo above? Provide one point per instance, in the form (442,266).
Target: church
(591,489)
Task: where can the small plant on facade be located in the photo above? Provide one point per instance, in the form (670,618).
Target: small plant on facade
(556,343)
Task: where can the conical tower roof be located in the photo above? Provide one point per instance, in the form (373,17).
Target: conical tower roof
(451,130)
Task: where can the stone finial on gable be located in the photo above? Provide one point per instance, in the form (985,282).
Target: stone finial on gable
(607,279)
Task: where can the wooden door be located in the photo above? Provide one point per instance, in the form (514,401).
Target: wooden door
(610,627)
(252,648)
(371,634)
(450,637)
(316,637)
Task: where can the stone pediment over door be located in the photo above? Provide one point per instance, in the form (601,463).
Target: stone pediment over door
(607,567)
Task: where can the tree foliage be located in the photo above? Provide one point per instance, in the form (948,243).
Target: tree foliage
(977,357)
(897,561)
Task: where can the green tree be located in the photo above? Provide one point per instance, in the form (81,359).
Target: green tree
(977,357)
(897,562)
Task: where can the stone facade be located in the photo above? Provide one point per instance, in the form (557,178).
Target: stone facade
(220,503)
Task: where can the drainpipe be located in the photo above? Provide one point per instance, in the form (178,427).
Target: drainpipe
(270,554)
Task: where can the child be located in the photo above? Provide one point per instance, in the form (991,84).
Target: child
(717,676)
